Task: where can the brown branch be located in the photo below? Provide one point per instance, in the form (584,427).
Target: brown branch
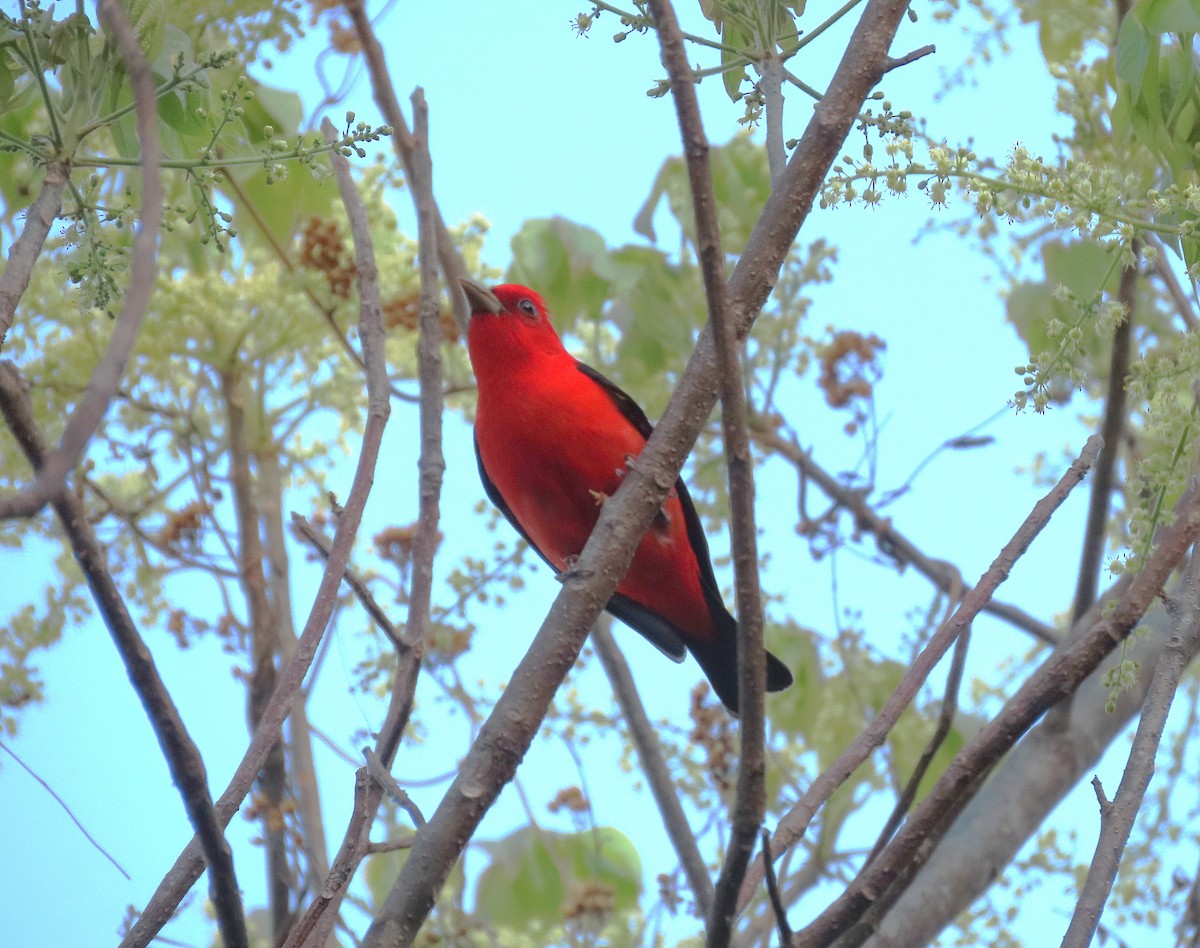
(796,821)
(182,755)
(106,379)
(912,57)
(940,732)
(303,530)
(382,776)
(751,797)
(654,766)
(777,906)
(264,640)
(318,920)
(891,542)
(302,771)
(1117,818)
(1111,430)
(404,143)
(1050,684)
(506,735)
(183,874)
(23,254)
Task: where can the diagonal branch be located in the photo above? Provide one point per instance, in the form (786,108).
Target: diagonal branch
(751,799)
(1117,817)
(180,878)
(182,755)
(892,542)
(106,379)
(508,732)
(23,254)
(794,824)
(1058,678)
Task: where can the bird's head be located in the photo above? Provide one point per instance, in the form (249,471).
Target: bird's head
(509,324)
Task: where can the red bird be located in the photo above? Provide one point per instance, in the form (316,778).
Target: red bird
(553,438)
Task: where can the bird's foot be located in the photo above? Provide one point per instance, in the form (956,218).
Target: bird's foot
(598,496)
(570,572)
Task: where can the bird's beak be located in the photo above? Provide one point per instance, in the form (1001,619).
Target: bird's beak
(480,298)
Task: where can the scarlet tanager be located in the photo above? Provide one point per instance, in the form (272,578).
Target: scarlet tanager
(553,438)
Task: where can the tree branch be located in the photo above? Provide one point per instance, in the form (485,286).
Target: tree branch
(795,822)
(182,755)
(1111,430)
(322,912)
(453,268)
(654,766)
(23,254)
(892,542)
(1059,677)
(506,735)
(1116,819)
(186,870)
(106,378)
(751,799)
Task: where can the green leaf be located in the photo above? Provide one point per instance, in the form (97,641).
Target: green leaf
(533,871)
(795,711)
(1170,16)
(567,263)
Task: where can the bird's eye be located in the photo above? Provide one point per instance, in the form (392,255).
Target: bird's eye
(527,307)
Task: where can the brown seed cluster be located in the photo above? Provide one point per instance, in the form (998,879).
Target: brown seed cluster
(404,311)
(589,901)
(322,248)
(848,367)
(712,729)
(569,798)
(182,528)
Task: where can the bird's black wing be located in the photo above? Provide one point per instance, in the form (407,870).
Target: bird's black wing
(653,626)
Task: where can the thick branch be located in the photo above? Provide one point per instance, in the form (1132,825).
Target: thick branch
(187,867)
(507,733)
(106,379)
(654,766)
(182,755)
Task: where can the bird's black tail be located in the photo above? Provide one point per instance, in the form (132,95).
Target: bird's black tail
(718,660)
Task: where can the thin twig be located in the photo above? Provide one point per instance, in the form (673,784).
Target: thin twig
(106,378)
(751,797)
(1050,684)
(186,870)
(453,268)
(1162,269)
(1111,430)
(1117,818)
(654,766)
(303,530)
(382,776)
(941,730)
(891,542)
(910,57)
(795,822)
(183,757)
(66,809)
(777,906)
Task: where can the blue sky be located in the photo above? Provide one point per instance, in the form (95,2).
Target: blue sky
(530,120)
